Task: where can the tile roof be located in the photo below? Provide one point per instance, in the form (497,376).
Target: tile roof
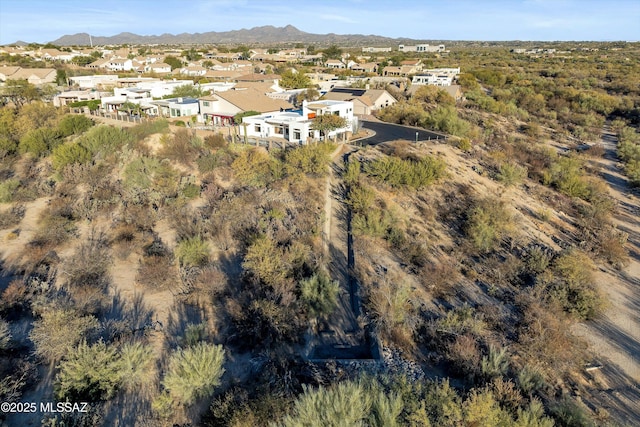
(253,100)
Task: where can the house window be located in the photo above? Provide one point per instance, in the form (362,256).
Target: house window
(296,134)
(257,129)
(278,130)
(337,113)
(205,103)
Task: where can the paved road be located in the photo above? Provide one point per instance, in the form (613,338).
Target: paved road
(389,132)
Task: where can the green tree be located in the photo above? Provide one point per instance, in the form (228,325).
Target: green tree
(173,62)
(19,92)
(327,123)
(292,79)
(186,91)
(332,52)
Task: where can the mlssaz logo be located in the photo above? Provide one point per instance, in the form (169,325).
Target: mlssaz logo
(64,407)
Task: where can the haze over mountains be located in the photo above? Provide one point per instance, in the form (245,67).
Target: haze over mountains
(263,34)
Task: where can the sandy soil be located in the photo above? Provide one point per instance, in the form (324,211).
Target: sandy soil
(615,338)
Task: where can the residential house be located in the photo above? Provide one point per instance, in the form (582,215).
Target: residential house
(376,49)
(401,71)
(335,63)
(365,101)
(436,77)
(421,48)
(297,126)
(119,64)
(157,68)
(6,72)
(193,71)
(35,76)
(367,67)
(94,82)
(416,63)
(177,107)
(454,90)
(220,107)
(71,96)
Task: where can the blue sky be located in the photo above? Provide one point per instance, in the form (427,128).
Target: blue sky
(46,20)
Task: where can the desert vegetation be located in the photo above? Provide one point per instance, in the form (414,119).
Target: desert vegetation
(186,273)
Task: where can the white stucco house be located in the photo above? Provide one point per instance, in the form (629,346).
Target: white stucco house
(297,126)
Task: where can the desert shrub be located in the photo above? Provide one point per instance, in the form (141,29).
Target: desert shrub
(190,191)
(574,289)
(265,260)
(156,272)
(487,223)
(7,189)
(103,141)
(461,321)
(446,119)
(184,147)
(346,403)
(309,159)
(611,244)
(56,224)
(530,379)
(352,172)
(495,364)
(393,312)
(464,354)
(39,141)
(570,413)
(411,173)
(320,294)
(7,146)
(255,168)
(193,334)
(58,331)
(533,415)
(5,335)
(511,174)
(537,260)
(89,372)
(194,372)
(193,251)
(566,174)
(69,153)
(207,163)
(139,172)
(90,264)
(215,141)
(482,409)
(74,124)
(150,127)
(375,223)
(464,144)
(361,198)
(137,365)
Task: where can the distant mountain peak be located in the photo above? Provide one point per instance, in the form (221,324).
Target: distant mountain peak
(259,35)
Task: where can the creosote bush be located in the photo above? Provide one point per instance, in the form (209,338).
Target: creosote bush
(193,251)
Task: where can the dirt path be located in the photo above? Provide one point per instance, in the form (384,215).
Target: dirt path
(340,335)
(615,338)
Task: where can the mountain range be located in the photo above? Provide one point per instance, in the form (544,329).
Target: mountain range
(257,35)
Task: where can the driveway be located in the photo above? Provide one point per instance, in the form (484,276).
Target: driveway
(385,132)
